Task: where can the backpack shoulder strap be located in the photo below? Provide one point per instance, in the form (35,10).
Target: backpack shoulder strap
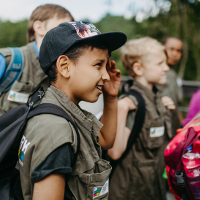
(139,119)
(13,71)
(181,184)
(48,108)
(2,65)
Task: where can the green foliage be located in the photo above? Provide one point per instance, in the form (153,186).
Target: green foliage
(13,34)
(183,21)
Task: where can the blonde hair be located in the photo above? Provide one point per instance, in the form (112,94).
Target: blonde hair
(136,50)
(43,13)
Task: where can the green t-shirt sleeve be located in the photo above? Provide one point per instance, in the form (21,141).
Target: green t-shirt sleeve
(130,120)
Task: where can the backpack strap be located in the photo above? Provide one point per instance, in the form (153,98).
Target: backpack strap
(181,184)
(2,65)
(13,71)
(139,121)
(48,108)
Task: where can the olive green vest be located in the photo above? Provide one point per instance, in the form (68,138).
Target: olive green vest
(32,76)
(139,175)
(174,91)
(45,133)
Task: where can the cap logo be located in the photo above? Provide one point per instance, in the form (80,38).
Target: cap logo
(85,29)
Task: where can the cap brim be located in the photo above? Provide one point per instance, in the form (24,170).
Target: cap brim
(112,40)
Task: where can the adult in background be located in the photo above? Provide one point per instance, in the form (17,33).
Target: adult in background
(172,89)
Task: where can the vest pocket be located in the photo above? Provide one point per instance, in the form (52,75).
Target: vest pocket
(95,182)
(98,187)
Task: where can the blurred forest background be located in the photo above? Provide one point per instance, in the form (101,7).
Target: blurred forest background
(182,19)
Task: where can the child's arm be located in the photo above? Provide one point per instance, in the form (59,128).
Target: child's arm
(123,132)
(109,117)
(51,187)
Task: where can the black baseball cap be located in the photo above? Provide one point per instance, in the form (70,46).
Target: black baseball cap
(59,39)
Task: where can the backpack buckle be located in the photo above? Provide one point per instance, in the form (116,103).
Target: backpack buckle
(179,178)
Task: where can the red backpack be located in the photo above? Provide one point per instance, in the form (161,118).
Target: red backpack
(177,179)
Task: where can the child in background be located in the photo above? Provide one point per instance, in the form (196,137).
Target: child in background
(173,87)
(42,19)
(75,57)
(139,174)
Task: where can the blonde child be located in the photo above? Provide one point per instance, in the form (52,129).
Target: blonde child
(139,174)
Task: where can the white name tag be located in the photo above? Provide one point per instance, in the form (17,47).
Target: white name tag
(157,131)
(101,190)
(17,97)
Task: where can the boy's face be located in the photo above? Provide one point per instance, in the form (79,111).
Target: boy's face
(155,67)
(174,49)
(88,75)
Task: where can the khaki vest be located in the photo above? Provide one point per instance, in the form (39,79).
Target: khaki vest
(174,91)
(45,133)
(139,175)
(32,76)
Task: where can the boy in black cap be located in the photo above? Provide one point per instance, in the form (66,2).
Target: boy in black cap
(75,57)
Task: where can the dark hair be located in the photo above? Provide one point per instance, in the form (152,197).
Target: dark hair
(73,54)
(164,41)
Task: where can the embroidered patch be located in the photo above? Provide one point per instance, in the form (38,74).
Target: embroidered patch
(156,131)
(22,149)
(17,97)
(101,190)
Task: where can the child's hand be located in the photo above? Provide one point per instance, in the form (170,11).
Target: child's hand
(111,87)
(126,104)
(168,103)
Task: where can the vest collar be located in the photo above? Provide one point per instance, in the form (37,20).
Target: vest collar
(150,93)
(81,117)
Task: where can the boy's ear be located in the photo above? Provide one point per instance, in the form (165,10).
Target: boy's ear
(137,69)
(62,65)
(39,28)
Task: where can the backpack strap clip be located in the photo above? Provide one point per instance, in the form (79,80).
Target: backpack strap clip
(36,96)
(181,184)
(179,178)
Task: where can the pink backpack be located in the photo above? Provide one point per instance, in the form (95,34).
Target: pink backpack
(177,179)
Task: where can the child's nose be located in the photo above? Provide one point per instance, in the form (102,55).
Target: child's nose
(105,75)
(166,67)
